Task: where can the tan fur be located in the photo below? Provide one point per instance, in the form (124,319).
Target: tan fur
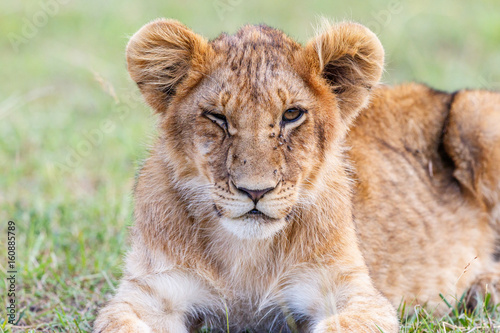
(197,256)
(427,195)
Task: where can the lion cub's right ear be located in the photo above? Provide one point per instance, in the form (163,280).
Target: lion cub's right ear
(350,58)
(162,55)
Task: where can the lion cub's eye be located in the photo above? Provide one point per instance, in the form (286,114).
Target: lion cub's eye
(291,115)
(217,118)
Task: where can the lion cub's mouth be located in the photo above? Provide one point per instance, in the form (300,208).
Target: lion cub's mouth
(254,224)
(257,214)
(253,214)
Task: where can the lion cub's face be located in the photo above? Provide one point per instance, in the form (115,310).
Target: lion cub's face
(258,129)
(250,118)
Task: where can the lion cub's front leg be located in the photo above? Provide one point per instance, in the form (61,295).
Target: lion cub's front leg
(341,302)
(365,313)
(157,303)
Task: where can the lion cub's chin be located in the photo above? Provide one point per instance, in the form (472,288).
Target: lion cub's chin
(249,227)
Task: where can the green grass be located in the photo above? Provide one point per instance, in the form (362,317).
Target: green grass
(73,128)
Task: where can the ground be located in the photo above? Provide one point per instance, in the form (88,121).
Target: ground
(74,129)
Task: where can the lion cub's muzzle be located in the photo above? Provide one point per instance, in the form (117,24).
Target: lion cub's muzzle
(254,212)
(256,194)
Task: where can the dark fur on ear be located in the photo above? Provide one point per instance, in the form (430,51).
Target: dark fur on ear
(351,59)
(162,55)
(472,140)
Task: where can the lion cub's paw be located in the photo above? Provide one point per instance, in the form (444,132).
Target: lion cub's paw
(131,325)
(484,284)
(337,324)
(344,324)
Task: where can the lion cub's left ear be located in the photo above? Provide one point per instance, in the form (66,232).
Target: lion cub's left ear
(161,56)
(351,60)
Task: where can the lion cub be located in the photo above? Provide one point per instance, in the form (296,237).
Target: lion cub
(243,210)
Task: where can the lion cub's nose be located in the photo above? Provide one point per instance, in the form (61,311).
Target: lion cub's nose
(255,195)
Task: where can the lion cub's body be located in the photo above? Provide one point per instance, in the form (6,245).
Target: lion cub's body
(426,202)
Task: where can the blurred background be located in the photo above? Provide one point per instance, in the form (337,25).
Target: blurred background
(73,128)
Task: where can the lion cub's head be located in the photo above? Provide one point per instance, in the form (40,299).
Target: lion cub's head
(249,120)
